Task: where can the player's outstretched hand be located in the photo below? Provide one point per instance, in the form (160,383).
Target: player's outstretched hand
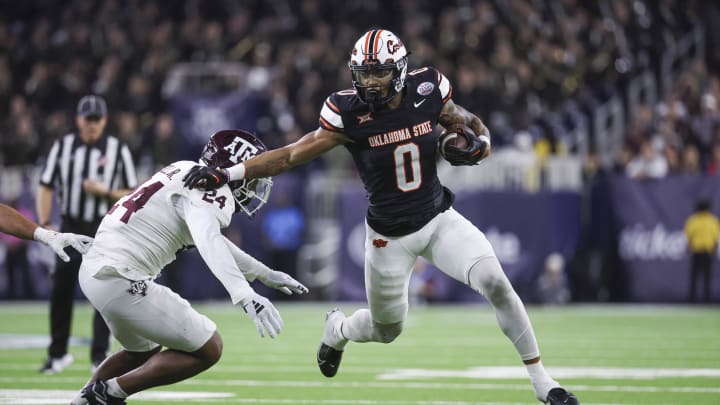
(264,314)
(283,282)
(205,178)
(59,241)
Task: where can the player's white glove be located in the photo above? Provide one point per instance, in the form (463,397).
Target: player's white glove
(283,282)
(264,314)
(59,241)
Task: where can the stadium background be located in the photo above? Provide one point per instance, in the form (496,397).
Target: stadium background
(577,95)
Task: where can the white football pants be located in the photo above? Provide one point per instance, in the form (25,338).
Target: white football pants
(456,247)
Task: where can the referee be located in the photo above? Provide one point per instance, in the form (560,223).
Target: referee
(89,170)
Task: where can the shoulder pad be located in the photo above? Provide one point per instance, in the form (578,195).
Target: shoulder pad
(334,107)
(219,202)
(428,78)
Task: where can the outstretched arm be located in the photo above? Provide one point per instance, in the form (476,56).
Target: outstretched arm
(14,223)
(208,239)
(254,269)
(270,163)
(205,231)
(310,146)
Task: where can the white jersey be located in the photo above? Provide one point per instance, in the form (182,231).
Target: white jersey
(143,231)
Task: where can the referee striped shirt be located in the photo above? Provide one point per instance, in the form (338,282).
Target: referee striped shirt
(71,161)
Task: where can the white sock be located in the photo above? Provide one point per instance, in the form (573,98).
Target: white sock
(114,388)
(541,381)
(341,339)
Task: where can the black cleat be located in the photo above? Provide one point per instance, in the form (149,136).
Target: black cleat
(96,394)
(560,396)
(328,360)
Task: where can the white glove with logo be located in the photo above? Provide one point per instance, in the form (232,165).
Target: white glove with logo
(264,314)
(59,241)
(283,282)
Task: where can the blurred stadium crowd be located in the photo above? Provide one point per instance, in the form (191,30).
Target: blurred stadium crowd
(511,62)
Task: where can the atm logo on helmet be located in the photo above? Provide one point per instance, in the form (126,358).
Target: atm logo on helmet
(240,150)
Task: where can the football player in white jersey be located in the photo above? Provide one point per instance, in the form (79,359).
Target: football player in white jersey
(14,223)
(141,234)
(386,123)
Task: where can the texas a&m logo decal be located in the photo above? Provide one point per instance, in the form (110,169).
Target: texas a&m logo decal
(241,150)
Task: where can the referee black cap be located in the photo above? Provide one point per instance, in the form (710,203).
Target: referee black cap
(92,106)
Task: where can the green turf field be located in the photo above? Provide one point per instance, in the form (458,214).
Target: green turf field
(447,355)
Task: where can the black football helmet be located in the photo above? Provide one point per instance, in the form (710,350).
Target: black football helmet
(378,53)
(229,147)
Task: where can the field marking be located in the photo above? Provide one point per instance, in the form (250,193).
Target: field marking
(377,402)
(388,385)
(219,368)
(446,386)
(33,341)
(556,372)
(486,373)
(43,397)
(53,397)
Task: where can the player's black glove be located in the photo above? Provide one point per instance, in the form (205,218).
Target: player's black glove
(469,156)
(205,178)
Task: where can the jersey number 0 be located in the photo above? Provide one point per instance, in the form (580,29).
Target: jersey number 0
(402,154)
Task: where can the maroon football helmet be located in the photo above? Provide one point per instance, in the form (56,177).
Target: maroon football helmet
(229,147)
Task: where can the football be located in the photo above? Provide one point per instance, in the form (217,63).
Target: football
(455,135)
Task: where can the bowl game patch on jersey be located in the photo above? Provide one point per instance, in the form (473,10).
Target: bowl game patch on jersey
(425,88)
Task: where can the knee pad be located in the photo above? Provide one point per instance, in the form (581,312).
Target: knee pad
(386,333)
(487,277)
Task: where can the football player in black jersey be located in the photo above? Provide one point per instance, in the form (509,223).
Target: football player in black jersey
(386,122)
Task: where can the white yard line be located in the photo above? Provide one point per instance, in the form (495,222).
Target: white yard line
(219,368)
(474,373)
(49,397)
(53,397)
(444,386)
(387,385)
(374,402)
(556,372)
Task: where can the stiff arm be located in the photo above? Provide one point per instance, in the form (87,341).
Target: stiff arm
(270,163)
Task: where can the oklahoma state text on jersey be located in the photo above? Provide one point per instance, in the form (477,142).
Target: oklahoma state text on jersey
(395,151)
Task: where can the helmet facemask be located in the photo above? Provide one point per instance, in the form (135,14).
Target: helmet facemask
(377,95)
(251,195)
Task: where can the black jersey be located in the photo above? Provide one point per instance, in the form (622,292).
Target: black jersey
(395,151)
